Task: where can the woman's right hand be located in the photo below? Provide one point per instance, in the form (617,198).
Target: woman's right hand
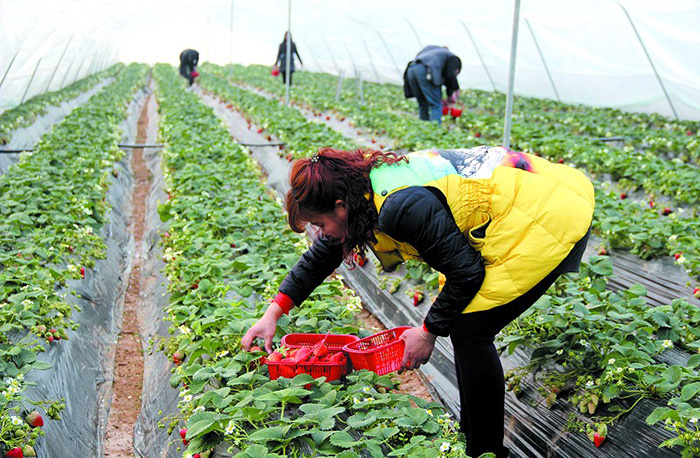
(265,328)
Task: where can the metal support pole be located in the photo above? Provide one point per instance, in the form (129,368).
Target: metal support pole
(391,56)
(651,62)
(352,61)
(544,62)
(335,64)
(483,62)
(60,59)
(359,88)
(30,81)
(288,70)
(63,81)
(9,67)
(230,29)
(511,76)
(371,61)
(340,86)
(420,45)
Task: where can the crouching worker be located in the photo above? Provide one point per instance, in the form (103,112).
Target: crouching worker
(188,65)
(500,227)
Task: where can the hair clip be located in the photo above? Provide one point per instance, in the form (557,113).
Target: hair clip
(314,158)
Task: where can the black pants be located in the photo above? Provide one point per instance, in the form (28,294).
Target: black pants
(479,370)
(284,77)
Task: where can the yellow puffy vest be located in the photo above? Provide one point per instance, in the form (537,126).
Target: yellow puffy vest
(536,212)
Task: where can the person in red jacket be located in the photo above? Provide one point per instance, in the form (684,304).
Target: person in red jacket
(501,226)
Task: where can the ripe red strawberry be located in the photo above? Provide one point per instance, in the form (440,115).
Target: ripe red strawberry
(166,235)
(561,161)
(360,260)
(678,255)
(652,204)
(477,135)
(82,271)
(690,132)
(195,285)
(196,455)
(14,453)
(374,140)
(603,252)
(666,211)
(183,433)
(417,298)
(34,419)
(275,357)
(598,439)
(229,106)
(445,110)
(290,157)
(233,245)
(696,292)
(50,338)
(255,348)
(337,357)
(623,196)
(381,146)
(328,118)
(260,130)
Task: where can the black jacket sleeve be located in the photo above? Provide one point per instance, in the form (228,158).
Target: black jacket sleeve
(416,216)
(319,261)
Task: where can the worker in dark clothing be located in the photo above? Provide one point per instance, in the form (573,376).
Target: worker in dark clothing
(424,77)
(188,64)
(281,61)
(499,226)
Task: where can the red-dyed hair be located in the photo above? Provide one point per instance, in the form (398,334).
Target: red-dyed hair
(331,175)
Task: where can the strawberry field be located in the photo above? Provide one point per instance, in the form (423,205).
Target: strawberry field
(606,364)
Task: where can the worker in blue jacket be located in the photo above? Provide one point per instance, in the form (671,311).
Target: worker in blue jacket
(433,67)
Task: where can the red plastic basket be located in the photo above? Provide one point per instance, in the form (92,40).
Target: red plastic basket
(332,371)
(380,353)
(335,342)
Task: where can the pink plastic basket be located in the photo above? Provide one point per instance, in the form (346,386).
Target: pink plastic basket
(380,353)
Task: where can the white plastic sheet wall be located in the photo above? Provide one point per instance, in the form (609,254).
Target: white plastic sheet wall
(592,51)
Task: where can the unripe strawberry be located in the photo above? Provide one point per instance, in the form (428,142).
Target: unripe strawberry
(178,357)
(41,329)
(29,451)
(34,419)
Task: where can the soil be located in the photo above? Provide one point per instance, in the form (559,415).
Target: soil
(128,371)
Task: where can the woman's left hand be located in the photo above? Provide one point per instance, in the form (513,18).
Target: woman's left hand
(419,347)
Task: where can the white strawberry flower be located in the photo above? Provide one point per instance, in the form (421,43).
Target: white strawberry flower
(230,427)
(366,389)
(611,361)
(187,398)
(445,447)
(26,302)
(15,420)
(694,420)
(667,344)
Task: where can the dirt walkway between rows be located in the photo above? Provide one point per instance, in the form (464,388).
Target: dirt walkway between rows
(128,372)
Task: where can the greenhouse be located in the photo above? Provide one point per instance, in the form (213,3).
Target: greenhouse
(264,229)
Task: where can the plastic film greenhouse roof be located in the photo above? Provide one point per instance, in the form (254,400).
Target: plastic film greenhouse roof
(598,52)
